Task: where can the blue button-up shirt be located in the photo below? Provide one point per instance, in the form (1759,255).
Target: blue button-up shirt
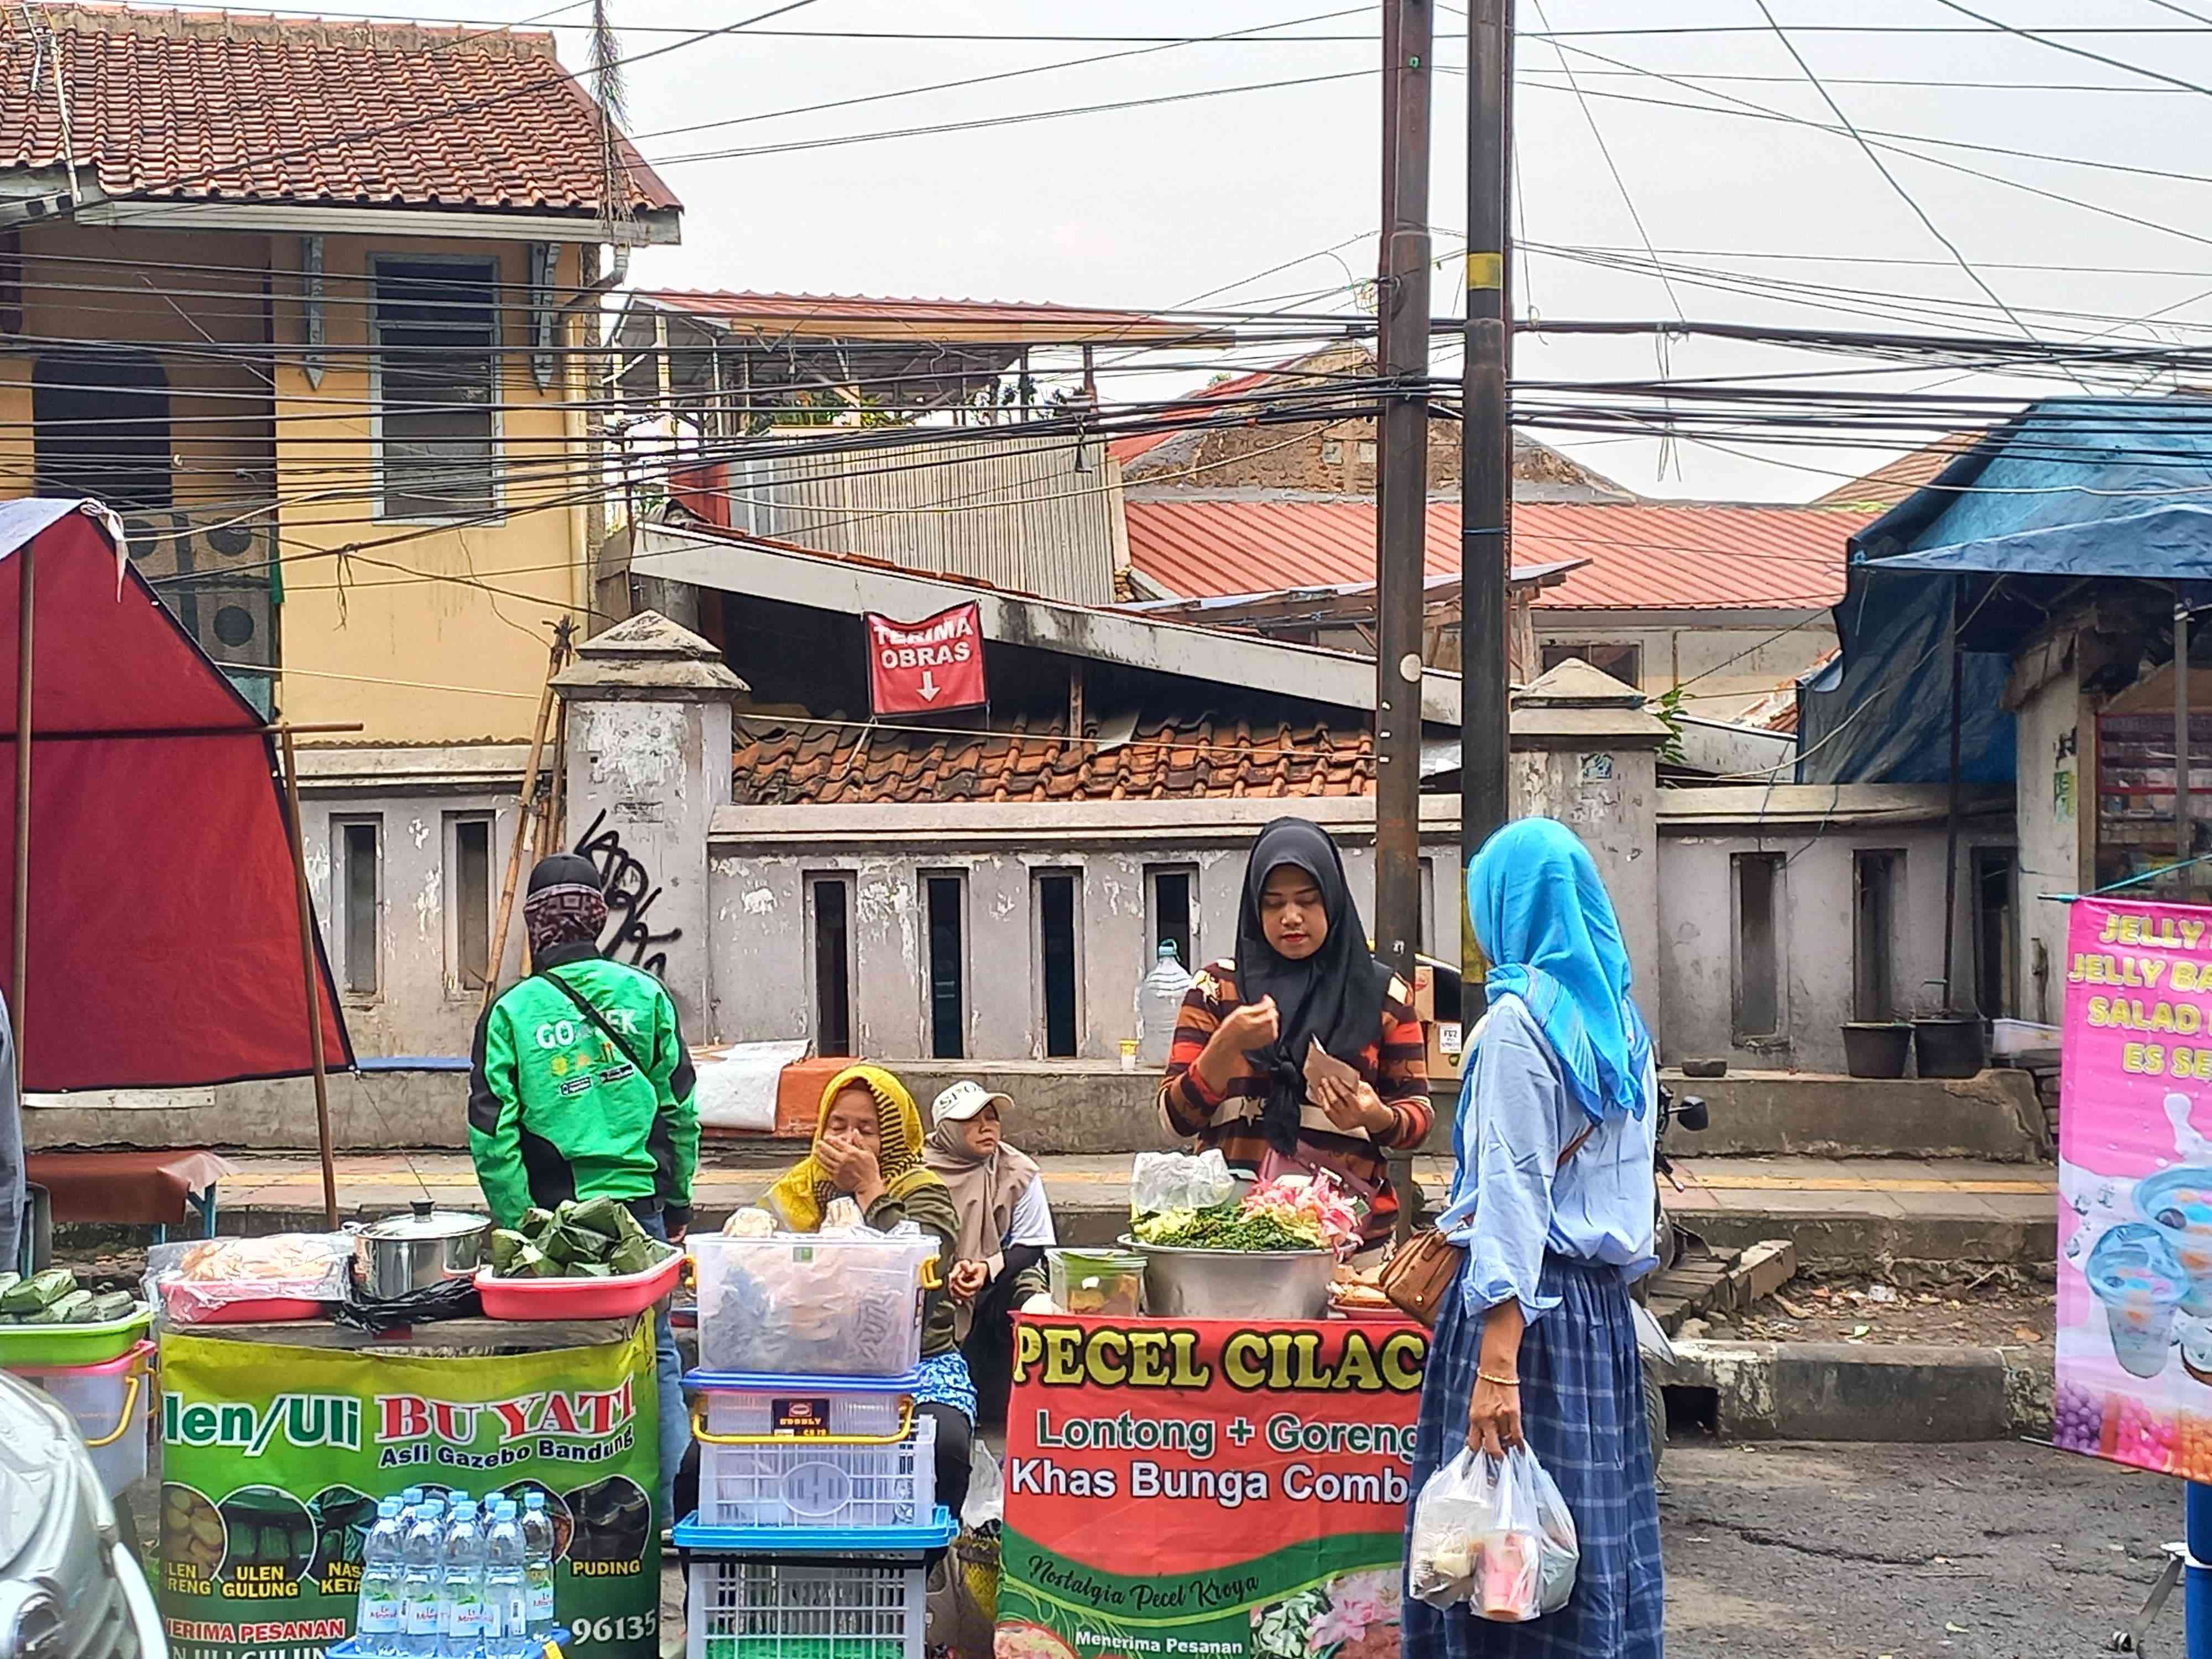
(1511,1201)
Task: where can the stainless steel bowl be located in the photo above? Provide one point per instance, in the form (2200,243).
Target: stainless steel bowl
(1235,1284)
(404,1253)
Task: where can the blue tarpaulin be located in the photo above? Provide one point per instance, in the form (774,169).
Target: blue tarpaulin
(2073,489)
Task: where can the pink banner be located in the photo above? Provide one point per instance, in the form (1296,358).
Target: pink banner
(2135,1187)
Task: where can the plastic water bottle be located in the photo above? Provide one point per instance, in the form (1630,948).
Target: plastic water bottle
(507,1595)
(376,1616)
(418,1582)
(461,1586)
(538,1565)
(1160,1006)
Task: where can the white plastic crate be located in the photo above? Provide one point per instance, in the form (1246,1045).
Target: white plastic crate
(819,1482)
(786,1609)
(863,1409)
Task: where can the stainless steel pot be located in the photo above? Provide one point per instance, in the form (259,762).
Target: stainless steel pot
(1235,1284)
(404,1253)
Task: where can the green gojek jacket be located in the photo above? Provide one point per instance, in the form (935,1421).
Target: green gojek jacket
(555,1109)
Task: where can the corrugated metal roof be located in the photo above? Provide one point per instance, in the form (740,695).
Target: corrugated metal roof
(861,317)
(1643,555)
(208,106)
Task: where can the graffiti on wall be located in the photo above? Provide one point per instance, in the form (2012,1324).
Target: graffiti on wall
(630,891)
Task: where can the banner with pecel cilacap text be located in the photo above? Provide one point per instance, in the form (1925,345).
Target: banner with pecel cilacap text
(1207,1487)
(273,1460)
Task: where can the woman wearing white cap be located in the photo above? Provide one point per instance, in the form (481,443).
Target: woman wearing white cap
(1005,1227)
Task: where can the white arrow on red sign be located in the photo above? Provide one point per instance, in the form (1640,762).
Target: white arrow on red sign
(928,687)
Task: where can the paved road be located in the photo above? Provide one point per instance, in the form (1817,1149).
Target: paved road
(1999,1551)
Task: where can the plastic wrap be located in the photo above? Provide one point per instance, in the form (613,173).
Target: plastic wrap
(1160,1182)
(195,1282)
(1494,1535)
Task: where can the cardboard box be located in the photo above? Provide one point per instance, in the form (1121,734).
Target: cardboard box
(1445,1054)
(1424,993)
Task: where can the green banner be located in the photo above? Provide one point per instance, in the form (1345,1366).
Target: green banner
(273,1460)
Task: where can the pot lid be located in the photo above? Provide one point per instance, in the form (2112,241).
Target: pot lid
(427,1222)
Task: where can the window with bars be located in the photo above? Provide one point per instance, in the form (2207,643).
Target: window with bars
(437,388)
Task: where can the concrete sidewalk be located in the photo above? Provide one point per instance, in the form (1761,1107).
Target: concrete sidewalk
(1837,1210)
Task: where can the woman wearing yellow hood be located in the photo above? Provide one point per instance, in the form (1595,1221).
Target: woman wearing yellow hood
(867,1149)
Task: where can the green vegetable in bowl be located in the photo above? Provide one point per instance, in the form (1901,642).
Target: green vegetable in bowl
(1228,1226)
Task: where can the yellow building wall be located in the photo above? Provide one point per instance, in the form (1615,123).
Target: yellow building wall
(424,633)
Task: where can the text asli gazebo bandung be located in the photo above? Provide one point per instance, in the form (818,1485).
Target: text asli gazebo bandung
(158,914)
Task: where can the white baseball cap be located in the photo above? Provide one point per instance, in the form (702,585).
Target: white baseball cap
(965,1100)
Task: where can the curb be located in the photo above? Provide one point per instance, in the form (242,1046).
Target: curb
(1851,1391)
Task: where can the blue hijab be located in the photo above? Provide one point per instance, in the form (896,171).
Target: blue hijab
(1547,926)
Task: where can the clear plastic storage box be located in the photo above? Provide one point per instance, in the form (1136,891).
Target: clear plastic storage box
(787,1610)
(797,1304)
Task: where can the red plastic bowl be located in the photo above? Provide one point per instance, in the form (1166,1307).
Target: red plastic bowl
(576,1298)
(184,1309)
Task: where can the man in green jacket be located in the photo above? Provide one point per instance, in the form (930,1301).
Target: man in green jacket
(580,1087)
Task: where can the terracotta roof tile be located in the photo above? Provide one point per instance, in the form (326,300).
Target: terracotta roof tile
(1641,555)
(1181,757)
(208,106)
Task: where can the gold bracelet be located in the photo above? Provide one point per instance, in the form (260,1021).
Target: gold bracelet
(1502,1382)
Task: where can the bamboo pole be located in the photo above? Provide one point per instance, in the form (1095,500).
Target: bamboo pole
(313,981)
(26,568)
(522,825)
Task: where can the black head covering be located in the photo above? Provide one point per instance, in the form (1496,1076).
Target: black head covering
(564,905)
(1335,996)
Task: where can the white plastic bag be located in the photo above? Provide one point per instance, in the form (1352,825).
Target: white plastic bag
(1495,1534)
(987,1492)
(1160,1182)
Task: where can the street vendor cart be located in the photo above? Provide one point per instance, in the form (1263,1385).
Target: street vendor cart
(1207,1487)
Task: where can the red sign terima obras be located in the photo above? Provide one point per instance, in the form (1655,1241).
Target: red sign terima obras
(915,668)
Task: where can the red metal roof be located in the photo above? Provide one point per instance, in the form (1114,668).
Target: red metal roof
(210,105)
(1179,759)
(1644,556)
(859,316)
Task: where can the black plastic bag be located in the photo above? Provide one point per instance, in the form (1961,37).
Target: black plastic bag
(453,1298)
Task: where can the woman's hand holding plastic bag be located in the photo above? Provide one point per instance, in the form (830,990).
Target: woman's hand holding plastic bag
(1493,1532)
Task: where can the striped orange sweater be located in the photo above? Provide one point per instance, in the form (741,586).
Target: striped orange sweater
(1395,1065)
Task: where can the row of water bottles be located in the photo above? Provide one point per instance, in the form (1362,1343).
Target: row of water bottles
(448,1583)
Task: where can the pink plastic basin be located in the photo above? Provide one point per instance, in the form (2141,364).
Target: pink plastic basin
(576,1298)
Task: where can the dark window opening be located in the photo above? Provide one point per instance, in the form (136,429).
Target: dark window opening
(1623,662)
(358,878)
(1171,916)
(1758,954)
(1994,947)
(472,901)
(1055,898)
(101,426)
(437,366)
(1873,939)
(947,970)
(833,966)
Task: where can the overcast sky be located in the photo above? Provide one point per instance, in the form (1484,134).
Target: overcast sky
(1155,206)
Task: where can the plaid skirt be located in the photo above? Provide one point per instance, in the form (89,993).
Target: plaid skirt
(1582,1409)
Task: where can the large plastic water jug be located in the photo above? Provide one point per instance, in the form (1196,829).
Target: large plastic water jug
(1159,1005)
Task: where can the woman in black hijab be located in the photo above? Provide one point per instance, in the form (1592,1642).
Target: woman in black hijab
(1243,1076)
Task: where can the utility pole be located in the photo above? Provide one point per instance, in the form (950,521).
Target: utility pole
(1402,477)
(1486,451)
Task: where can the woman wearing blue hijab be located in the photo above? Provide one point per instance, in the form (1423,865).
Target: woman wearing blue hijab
(1553,1201)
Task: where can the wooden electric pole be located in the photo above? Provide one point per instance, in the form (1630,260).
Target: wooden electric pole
(1402,477)
(1486,451)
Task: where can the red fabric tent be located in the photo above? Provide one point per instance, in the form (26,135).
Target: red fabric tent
(164,927)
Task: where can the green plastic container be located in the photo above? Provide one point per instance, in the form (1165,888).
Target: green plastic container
(73,1344)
